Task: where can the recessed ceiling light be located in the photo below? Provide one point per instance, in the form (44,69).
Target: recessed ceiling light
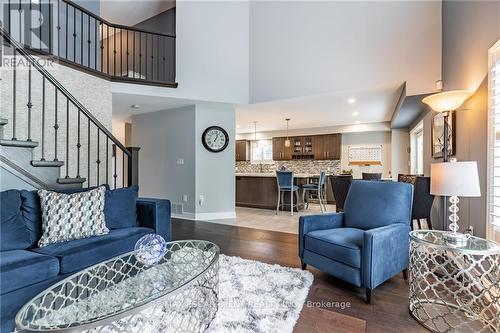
(351,100)
(135,106)
(355,113)
(238,126)
(358,122)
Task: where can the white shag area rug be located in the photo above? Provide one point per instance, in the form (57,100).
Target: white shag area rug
(257,297)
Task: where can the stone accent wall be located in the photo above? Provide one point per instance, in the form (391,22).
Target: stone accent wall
(297,166)
(93,92)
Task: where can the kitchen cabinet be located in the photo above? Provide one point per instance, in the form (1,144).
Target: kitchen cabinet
(333,146)
(242,150)
(318,147)
(261,191)
(302,147)
(280,151)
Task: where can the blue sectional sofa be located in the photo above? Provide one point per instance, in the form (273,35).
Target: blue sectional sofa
(26,269)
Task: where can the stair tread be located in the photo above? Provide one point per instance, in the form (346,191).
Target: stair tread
(69,180)
(40,163)
(18,143)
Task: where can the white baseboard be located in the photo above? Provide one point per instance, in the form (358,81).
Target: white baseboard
(215,216)
(184,216)
(205,216)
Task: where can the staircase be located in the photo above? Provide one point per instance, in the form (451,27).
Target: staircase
(80,39)
(47,137)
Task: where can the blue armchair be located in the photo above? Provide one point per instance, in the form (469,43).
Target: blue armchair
(368,243)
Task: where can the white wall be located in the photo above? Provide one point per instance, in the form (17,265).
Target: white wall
(302,48)
(367,139)
(165,137)
(118,129)
(400,158)
(215,172)
(212,52)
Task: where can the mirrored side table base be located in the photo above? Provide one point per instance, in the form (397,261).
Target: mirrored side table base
(454,289)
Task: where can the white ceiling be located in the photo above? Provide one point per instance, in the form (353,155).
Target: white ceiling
(131,12)
(323,110)
(122,104)
(306,59)
(123,110)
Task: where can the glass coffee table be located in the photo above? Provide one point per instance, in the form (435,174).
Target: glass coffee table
(178,294)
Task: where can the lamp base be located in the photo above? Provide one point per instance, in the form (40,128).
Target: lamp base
(456,239)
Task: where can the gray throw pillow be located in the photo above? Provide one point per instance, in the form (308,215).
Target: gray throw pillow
(72,216)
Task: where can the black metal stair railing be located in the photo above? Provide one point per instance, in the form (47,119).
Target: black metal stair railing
(97,137)
(79,38)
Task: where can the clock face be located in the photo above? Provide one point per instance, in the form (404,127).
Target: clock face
(215,139)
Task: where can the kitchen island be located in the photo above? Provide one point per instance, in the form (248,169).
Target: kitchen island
(260,190)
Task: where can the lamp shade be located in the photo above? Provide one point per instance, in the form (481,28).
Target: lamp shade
(455,178)
(447,101)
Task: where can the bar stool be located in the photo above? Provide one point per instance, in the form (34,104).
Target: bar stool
(371,175)
(340,188)
(285,184)
(319,188)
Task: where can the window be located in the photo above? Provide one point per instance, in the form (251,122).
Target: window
(493,193)
(261,151)
(417,149)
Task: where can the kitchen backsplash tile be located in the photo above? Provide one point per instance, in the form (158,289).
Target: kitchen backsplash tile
(297,166)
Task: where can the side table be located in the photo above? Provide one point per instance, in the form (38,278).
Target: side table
(454,289)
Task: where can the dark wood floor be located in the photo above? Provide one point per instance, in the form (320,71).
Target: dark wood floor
(388,313)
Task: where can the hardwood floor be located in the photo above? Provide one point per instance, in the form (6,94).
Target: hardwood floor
(347,311)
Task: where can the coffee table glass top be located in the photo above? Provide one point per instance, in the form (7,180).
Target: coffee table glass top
(116,288)
(435,238)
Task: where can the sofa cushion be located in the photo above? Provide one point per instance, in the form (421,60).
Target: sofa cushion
(14,235)
(72,216)
(21,268)
(32,214)
(78,254)
(120,207)
(341,244)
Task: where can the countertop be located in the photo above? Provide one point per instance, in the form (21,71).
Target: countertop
(295,175)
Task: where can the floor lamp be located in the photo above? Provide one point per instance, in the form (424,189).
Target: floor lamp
(446,102)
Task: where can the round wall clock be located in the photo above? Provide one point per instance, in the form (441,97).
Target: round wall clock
(215,139)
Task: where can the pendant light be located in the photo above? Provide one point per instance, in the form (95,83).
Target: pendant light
(287,141)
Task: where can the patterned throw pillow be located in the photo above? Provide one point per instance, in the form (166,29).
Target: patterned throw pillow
(72,216)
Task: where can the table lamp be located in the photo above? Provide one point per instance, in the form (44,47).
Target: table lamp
(455,179)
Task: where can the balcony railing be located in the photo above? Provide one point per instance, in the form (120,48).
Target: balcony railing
(81,39)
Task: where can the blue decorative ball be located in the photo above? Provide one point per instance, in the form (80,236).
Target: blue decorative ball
(150,249)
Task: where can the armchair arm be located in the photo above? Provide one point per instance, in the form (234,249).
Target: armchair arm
(155,214)
(385,253)
(310,223)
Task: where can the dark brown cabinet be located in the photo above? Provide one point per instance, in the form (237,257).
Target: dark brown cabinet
(242,150)
(280,151)
(333,146)
(318,147)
